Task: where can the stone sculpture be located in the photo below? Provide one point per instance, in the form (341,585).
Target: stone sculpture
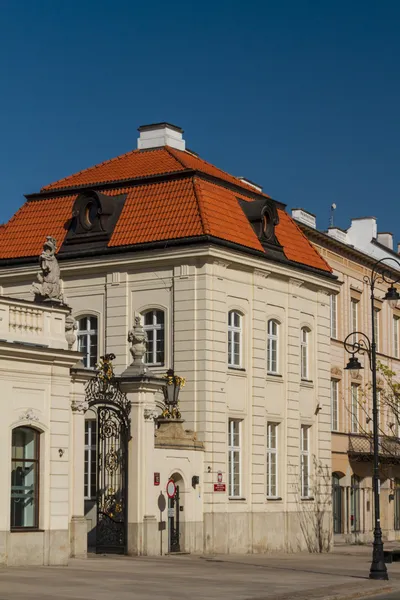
(137,337)
(70,327)
(49,286)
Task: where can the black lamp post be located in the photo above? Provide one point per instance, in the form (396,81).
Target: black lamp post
(359,343)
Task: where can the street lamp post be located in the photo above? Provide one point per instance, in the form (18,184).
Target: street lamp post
(359,343)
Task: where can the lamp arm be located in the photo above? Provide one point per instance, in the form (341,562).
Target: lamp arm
(381,272)
(359,343)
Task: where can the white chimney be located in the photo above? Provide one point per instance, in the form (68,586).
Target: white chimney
(304,217)
(160,134)
(338,234)
(386,239)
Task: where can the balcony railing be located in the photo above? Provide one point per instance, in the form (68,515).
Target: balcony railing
(361,447)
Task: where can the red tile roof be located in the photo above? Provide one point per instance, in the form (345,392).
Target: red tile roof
(188,205)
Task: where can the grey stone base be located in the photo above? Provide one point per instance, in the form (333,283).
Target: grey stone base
(146,539)
(78,537)
(261,532)
(34,548)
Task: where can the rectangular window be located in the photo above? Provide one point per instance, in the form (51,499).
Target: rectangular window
(354,315)
(354,408)
(334,404)
(25,478)
(90,470)
(334,317)
(396,337)
(234,458)
(305,461)
(272,460)
(376,327)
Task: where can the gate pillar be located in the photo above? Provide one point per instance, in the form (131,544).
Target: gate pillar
(78,526)
(142,391)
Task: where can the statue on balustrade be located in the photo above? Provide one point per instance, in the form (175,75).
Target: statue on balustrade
(48,287)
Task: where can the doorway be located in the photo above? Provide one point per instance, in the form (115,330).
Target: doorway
(175,516)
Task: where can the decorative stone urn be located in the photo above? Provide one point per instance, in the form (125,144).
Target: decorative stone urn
(137,337)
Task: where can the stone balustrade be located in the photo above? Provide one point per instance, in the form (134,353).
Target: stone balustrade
(26,322)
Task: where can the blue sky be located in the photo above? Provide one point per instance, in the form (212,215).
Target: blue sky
(301,97)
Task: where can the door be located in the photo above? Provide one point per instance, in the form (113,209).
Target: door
(112,469)
(336,504)
(173,522)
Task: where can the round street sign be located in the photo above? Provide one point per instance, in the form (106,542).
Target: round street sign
(171,489)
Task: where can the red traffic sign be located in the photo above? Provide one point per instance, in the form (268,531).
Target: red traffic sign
(219,477)
(171,489)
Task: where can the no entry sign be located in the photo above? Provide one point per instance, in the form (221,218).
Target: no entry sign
(171,489)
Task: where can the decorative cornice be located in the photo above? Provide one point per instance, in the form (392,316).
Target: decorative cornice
(150,414)
(336,371)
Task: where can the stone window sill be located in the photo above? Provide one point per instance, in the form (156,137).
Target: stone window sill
(274,377)
(308,383)
(238,371)
(26,530)
(234,499)
(307,499)
(274,499)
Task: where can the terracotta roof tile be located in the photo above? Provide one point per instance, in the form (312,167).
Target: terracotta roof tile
(134,164)
(26,231)
(166,209)
(160,211)
(296,245)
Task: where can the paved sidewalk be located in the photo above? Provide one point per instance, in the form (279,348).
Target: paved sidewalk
(339,575)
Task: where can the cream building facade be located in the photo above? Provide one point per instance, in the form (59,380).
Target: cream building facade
(246,323)
(352,255)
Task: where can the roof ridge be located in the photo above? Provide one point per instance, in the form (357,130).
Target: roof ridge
(100,164)
(200,201)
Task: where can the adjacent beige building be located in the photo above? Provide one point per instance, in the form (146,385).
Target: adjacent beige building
(231,296)
(352,254)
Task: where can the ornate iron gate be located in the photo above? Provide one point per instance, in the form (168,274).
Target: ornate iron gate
(113,434)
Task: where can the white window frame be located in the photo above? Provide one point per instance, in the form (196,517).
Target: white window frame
(273,346)
(90,448)
(396,321)
(354,425)
(305,353)
(88,333)
(305,460)
(232,451)
(235,332)
(151,330)
(354,314)
(272,459)
(334,316)
(334,404)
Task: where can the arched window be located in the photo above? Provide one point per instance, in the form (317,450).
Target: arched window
(305,352)
(88,340)
(25,478)
(234,339)
(272,346)
(154,325)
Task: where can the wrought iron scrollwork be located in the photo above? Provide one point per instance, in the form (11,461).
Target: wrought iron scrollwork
(113,434)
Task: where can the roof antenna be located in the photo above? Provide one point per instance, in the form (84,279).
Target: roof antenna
(333,208)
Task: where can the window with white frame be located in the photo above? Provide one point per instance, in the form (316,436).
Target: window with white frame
(305,461)
(154,326)
(335,404)
(304,352)
(272,346)
(354,408)
(25,465)
(333,316)
(377,328)
(90,467)
(354,315)
(234,458)
(396,336)
(234,339)
(87,335)
(272,460)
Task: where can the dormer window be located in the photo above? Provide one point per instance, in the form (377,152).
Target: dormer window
(263,217)
(94,216)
